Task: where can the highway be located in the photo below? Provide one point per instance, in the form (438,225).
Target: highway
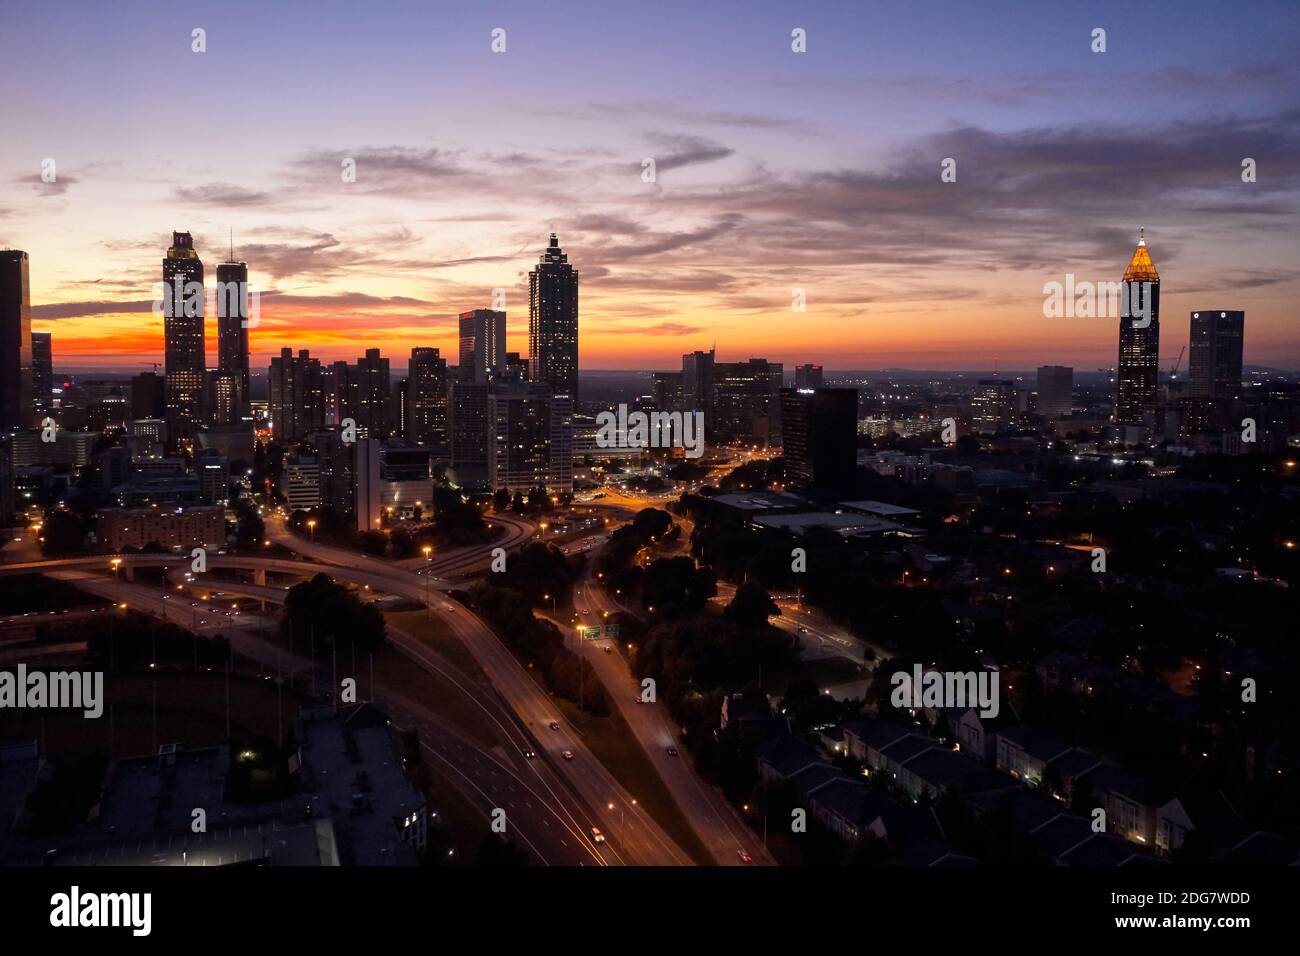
(714,820)
(624,820)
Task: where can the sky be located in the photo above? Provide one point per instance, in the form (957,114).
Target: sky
(774,171)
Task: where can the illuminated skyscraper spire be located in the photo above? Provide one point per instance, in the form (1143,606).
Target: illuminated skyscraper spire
(1137,373)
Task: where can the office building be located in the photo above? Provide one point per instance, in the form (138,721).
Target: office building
(482,344)
(819,440)
(1055,390)
(427,397)
(745,401)
(213,471)
(1215,354)
(666,391)
(697,382)
(42,375)
(553,322)
(808,376)
(373,395)
(368,499)
(183,334)
(529,439)
(232,333)
(1137,373)
(300,482)
(297,395)
(15,341)
(118,528)
(469,431)
(993,405)
(148,397)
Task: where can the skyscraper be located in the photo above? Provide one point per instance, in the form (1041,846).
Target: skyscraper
(993,404)
(820,439)
(469,428)
(529,438)
(374,395)
(808,376)
(1137,372)
(42,374)
(427,397)
(15,341)
(232,330)
(1055,390)
(183,338)
(697,382)
(1216,351)
(553,322)
(148,396)
(745,401)
(297,395)
(482,344)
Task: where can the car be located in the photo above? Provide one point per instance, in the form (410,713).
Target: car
(597,835)
(803,630)
(194,604)
(529,754)
(744,857)
(202,622)
(554,725)
(166,597)
(672,751)
(582,610)
(607,649)
(567,755)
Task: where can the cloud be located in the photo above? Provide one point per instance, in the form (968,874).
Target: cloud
(222,194)
(57,188)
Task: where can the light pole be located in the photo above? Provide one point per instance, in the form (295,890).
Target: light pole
(311,528)
(427,575)
(116,563)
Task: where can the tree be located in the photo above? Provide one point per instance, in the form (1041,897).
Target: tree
(401,543)
(675,586)
(62,533)
(332,614)
(751,606)
(501,500)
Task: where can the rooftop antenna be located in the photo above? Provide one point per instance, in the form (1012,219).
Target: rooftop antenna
(1142,235)
(232,245)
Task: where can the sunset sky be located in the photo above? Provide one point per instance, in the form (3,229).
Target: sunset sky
(775,170)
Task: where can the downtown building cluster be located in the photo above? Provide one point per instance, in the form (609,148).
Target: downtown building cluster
(353,437)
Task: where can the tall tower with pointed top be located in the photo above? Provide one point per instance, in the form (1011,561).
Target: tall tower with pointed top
(1137,373)
(553,321)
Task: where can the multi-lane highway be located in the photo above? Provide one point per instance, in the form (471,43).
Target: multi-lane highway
(715,822)
(624,821)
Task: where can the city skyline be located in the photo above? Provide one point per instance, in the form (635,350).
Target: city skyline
(898,267)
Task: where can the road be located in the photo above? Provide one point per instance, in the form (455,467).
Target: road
(623,819)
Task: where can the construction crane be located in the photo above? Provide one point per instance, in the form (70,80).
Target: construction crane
(1173,372)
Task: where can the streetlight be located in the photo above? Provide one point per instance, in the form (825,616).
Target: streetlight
(428,609)
(116,563)
(311,527)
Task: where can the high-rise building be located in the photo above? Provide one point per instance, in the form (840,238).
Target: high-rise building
(224,398)
(530,438)
(427,397)
(745,401)
(553,321)
(1215,358)
(482,344)
(297,395)
(808,376)
(1137,373)
(820,439)
(42,374)
(469,431)
(148,398)
(667,390)
(1055,390)
(368,499)
(336,471)
(183,335)
(232,331)
(374,395)
(993,404)
(697,382)
(15,341)
(213,470)
(7,499)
